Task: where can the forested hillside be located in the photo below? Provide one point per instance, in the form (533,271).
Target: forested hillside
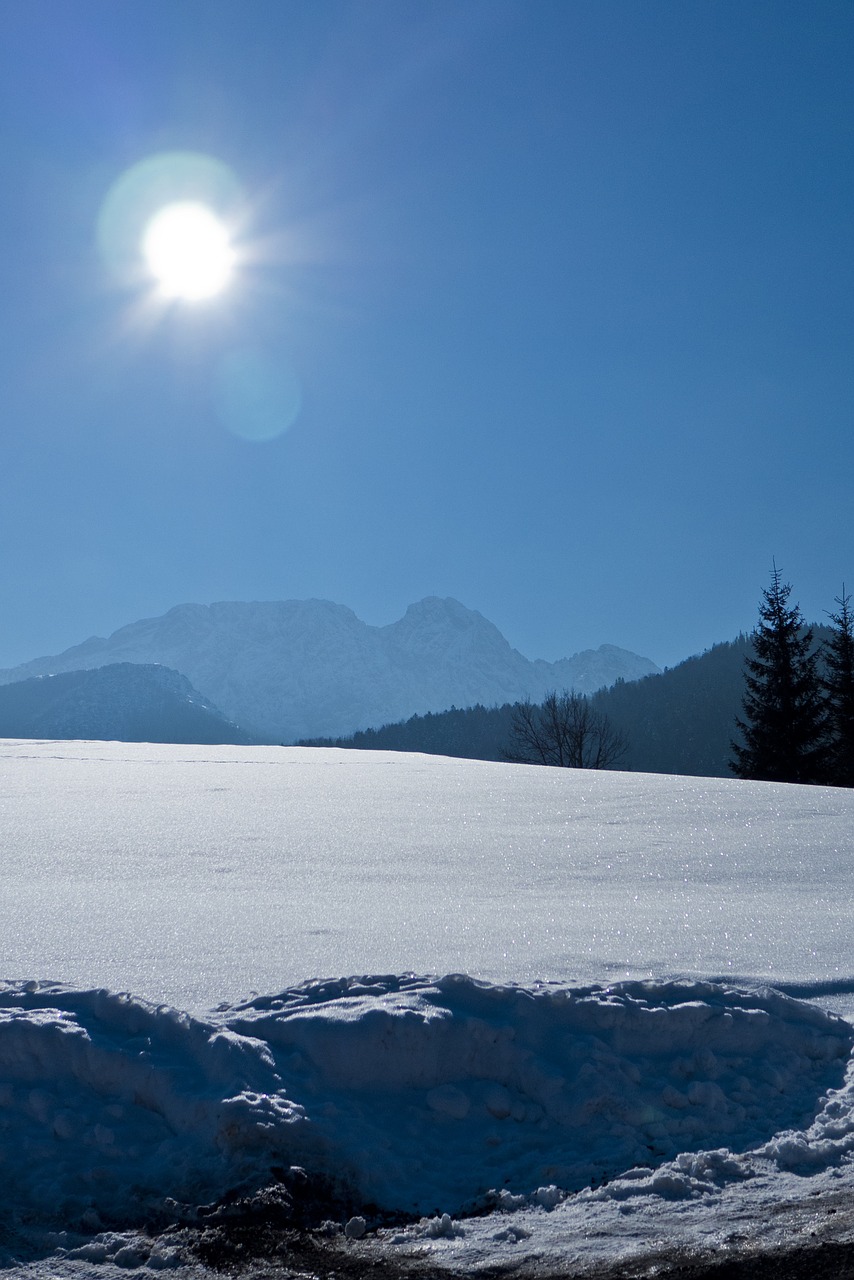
(476,733)
(680,721)
(683,720)
(125,702)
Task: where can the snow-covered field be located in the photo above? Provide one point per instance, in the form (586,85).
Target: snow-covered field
(612,1073)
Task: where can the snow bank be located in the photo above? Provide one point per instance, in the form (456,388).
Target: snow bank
(416,1095)
(110,1103)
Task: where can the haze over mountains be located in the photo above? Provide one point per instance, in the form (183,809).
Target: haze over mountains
(285,670)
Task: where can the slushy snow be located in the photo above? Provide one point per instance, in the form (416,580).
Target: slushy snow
(621,1039)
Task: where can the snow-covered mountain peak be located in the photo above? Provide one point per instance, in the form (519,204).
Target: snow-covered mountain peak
(436,626)
(440,610)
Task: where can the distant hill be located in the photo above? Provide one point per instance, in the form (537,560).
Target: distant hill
(123,702)
(293,669)
(678,721)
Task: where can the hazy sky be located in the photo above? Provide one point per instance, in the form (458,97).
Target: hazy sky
(564,288)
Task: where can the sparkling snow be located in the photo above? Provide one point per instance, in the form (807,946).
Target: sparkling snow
(196,875)
(586,1079)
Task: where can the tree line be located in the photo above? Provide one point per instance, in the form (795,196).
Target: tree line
(797,722)
(682,719)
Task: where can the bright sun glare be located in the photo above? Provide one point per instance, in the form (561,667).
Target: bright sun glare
(188,251)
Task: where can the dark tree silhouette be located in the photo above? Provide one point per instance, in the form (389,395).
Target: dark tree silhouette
(839,691)
(565,730)
(784,728)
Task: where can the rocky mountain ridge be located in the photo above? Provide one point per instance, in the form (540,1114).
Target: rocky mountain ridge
(285,670)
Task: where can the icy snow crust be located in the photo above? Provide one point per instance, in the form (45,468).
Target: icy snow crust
(409,1095)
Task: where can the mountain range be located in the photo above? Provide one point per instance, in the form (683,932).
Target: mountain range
(286,670)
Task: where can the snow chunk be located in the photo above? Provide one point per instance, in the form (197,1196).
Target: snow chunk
(548,1197)
(442,1228)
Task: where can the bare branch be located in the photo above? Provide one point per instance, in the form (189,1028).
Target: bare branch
(564,730)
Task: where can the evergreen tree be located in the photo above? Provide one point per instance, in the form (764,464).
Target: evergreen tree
(839,689)
(784,726)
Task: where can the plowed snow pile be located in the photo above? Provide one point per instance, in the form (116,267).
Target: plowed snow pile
(409,1095)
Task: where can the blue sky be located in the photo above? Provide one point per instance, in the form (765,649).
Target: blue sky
(566,287)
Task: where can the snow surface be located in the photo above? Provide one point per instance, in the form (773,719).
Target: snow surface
(194,875)
(614,1097)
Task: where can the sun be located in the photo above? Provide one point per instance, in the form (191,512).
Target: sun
(188,251)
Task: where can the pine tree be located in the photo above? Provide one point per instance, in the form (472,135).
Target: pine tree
(839,690)
(784,726)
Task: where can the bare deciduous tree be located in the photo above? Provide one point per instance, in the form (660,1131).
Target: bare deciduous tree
(564,730)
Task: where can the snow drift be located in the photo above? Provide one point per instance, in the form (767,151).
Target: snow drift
(407,1094)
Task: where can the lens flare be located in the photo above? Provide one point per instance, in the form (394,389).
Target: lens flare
(255,397)
(188,251)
